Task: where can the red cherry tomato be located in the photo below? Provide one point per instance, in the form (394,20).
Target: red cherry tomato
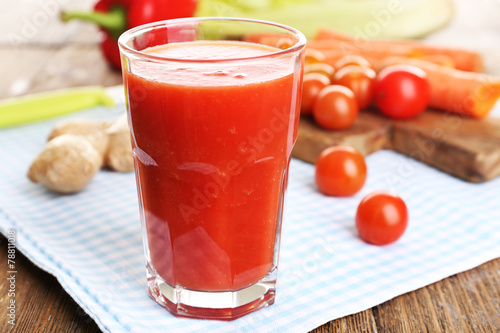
(335,108)
(312,84)
(360,80)
(320,68)
(381,218)
(352,59)
(402,91)
(340,171)
(313,56)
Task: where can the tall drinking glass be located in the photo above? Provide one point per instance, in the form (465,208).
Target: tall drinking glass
(213,108)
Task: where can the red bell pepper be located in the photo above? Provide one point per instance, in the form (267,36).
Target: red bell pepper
(116,16)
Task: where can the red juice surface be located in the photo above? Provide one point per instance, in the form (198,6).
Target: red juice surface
(211,144)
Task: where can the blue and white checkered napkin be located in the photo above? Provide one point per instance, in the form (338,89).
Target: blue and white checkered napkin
(91,241)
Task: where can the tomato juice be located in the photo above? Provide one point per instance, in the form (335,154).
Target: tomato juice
(212,145)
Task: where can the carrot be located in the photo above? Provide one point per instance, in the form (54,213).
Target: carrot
(465,60)
(280,40)
(332,56)
(439,59)
(324,33)
(456,90)
(467,93)
(371,49)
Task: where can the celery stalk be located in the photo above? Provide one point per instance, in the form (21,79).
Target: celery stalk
(363,18)
(16,111)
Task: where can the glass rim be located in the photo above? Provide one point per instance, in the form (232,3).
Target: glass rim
(131,33)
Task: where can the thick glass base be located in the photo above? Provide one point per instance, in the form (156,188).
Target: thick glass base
(220,305)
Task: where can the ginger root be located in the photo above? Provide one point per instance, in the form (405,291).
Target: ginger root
(119,156)
(77,149)
(66,165)
(92,130)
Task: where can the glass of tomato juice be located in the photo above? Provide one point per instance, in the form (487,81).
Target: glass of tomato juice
(213,107)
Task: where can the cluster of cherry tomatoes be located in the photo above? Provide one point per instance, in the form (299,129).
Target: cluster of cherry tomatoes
(382,216)
(334,95)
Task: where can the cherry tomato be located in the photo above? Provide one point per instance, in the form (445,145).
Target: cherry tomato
(340,171)
(312,84)
(381,218)
(335,108)
(284,43)
(313,56)
(360,80)
(402,91)
(352,59)
(320,68)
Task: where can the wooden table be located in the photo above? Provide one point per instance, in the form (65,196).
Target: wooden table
(58,57)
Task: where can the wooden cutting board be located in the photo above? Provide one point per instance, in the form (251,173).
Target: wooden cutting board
(466,148)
